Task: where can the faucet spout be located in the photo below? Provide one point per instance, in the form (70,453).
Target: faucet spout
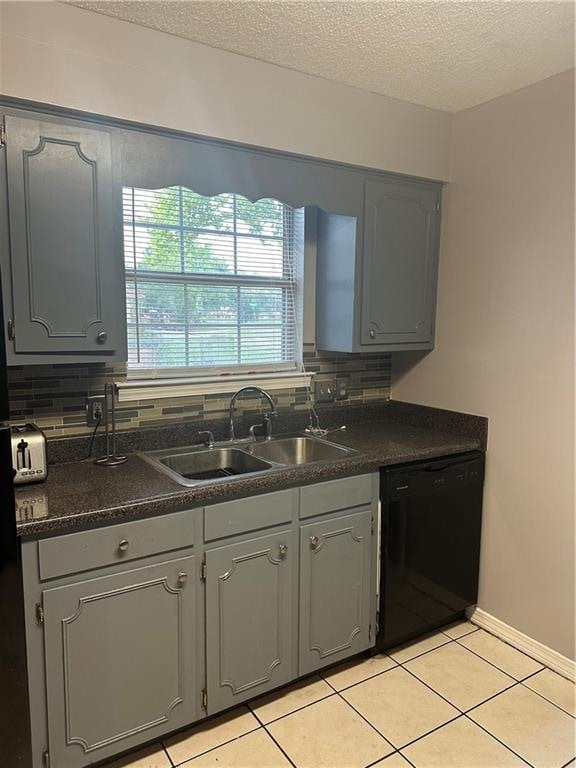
(258,391)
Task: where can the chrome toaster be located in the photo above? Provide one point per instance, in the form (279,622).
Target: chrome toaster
(28,454)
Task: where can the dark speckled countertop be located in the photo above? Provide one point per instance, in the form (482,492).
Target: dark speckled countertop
(82,495)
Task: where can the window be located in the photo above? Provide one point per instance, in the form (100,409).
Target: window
(211,282)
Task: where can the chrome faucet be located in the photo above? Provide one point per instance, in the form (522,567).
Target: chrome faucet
(267,417)
(209,441)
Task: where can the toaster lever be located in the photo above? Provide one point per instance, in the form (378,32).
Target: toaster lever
(23,460)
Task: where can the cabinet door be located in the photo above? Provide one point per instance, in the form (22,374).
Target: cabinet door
(121,660)
(335,590)
(65,216)
(249,618)
(400,263)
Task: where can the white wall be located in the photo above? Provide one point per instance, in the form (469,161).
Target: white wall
(505,344)
(60,54)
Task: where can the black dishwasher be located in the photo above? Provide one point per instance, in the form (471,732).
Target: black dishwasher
(430,544)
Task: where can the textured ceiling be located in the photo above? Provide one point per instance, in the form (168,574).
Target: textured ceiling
(445,55)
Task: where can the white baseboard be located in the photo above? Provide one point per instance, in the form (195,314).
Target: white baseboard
(547,656)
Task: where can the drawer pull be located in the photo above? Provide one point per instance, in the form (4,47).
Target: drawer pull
(314,542)
(182,578)
(123,545)
(283,550)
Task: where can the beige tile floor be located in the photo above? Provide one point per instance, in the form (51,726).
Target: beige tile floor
(459,698)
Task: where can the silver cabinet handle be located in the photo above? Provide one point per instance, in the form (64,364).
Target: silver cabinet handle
(283,550)
(102,337)
(123,545)
(314,542)
(372,334)
(182,578)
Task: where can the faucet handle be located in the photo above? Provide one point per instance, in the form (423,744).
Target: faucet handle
(267,423)
(209,442)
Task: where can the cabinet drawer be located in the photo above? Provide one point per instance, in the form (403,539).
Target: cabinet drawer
(251,514)
(119,543)
(335,494)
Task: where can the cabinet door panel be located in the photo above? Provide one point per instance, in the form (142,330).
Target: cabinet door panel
(335,589)
(249,625)
(120,660)
(65,238)
(400,264)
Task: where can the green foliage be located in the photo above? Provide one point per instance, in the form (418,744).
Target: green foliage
(205,245)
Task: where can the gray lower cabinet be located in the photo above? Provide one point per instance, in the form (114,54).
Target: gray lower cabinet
(128,641)
(120,660)
(250,622)
(336,589)
(67,294)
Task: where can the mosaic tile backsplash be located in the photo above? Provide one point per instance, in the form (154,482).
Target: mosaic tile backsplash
(54,396)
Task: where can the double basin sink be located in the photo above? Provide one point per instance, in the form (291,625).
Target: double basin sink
(198,465)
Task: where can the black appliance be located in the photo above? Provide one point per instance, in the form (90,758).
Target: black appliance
(15,745)
(430,544)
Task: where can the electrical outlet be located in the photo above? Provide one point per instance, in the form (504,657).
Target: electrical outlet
(342,390)
(324,391)
(95,410)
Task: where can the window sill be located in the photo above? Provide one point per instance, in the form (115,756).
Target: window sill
(157,389)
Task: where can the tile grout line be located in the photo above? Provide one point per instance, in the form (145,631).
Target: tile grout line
(448,722)
(499,740)
(172,763)
(494,696)
(286,755)
(431,689)
(544,697)
(292,712)
(380,759)
(353,708)
(476,628)
(407,760)
(464,711)
(418,655)
(500,668)
(200,754)
(370,677)
(430,732)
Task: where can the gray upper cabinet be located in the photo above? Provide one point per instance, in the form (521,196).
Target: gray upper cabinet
(120,655)
(66,265)
(376,279)
(335,589)
(400,264)
(250,631)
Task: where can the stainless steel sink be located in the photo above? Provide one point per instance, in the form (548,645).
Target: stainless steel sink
(298,450)
(199,465)
(191,466)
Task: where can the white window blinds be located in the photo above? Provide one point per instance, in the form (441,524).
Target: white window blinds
(210,282)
